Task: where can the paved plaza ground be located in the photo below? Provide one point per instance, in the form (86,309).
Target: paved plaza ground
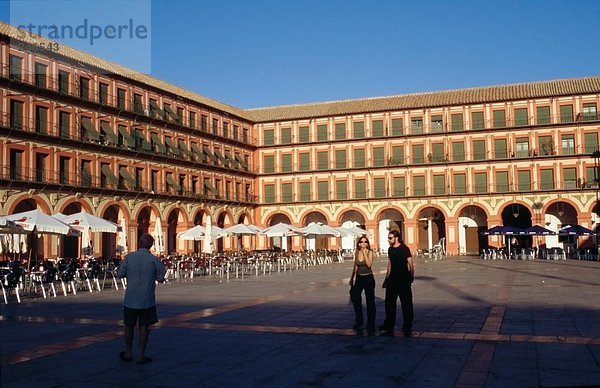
(477,323)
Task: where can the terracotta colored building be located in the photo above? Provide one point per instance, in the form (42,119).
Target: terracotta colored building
(81,133)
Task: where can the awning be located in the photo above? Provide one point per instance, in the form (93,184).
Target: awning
(109,134)
(154,105)
(146,146)
(128,177)
(171,147)
(110,177)
(242,162)
(197,151)
(209,155)
(234,163)
(170,111)
(221,158)
(90,131)
(160,147)
(209,187)
(184,149)
(172,183)
(127,139)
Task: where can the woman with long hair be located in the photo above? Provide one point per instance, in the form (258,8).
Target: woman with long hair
(362,279)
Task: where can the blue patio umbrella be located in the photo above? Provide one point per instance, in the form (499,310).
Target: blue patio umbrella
(576,230)
(539,231)
(503,230)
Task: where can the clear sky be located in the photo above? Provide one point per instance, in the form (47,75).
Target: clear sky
(253,53)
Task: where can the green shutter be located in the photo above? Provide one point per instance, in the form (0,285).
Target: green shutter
(501,181)
(286,192)
(457,122)
(545,145)
(569,177)
(323,160)
(268,164)
(521,118)
(547,179)
(397,155)
(341,189)
(378,156)
(340,131)
(566,113)
(359,157)
(458,151)
(439,184)
(481,185)
(305,191)
(323,190)
(340,159)
(304,161)
(543,114)
(399,186)
(419,185)
(269,137)
(360,188)
(499,118)
(460,183)
(304,134)
(590,141)
(416,125)
(286,135)
(438,152)
(322,132)
(379,188)
(479,150)
(477,120)
(397,127)
(359,130)
(377,130)
(286,163)
(524,180)
(591,177)
(500,150)
(437,124)
(418,155)
(269,194)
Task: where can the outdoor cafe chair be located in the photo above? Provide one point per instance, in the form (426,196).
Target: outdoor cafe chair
(10,279)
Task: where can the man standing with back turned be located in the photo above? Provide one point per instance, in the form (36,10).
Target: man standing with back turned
(398,279)
(142,270)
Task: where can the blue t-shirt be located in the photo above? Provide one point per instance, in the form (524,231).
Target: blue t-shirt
(141,269)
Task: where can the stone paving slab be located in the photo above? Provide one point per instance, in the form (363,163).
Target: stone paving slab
(477,323)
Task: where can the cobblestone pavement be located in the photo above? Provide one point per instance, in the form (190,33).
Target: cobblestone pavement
(477,323)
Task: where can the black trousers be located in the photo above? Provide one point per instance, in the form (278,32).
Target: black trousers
(392,293)
(366,283)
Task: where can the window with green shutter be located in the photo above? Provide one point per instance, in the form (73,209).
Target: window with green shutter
(457,122)
(458,151)
(268,137)
(545,145)
(269,194)
(377,128)
(416,125)
(569,177)
(481,185)
(590,141)
(591,177)
(378,156)
(419,185)
(521,118)
(340,159)
(499,118)
(304,134)
(322,160)
(359,157)
(547,179)
(501,181)
(543,114)
(286,192)
(323,190)
(567,144)
(418,154)
(341,189)
(500,149)
(340,131)
(524,180)
(479,150)
(437,124)
(439,184)
(399,186)
(359,130)
(304,191)
(397,155)
(322,132)
(566,113)
(460,183)
(397,127)
(360,188)
(286,135)
(304,161)
(379,188)
(286,163)
(268,164)
(477,120)
(438,152)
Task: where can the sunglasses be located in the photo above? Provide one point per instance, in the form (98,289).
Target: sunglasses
(363,242)
(391,238)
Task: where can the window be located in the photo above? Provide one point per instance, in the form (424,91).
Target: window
(460,184)
(397,127)
(543,115)
(379,188)
(16,165)
(139,176)
(322,132)
(359,157)
(269,193)
(377,130)
(438,152)
(437,124)
(479,150)
(416,125)
(322,160)
(286,163)
(360,188)
(522,147)
(399,186)
(323,190)
(566,113)
(340,131)
(570,177)
(64,124)
(245,135)
(154,181)
(546,145)
(439,184)
(63,82)
(287,192)
(286,135)
(84,88)
(458,151)
(304,159)
(268,164)
(378,156)
(138,105)
(524,180)
(502,181)
(589,112)
(477,121)
(304,134)
(103,94)
(547,179)
(63,170)
(215,126)
(16,114)
(41,167)
(457,122)
(166,112)
(397,155)
(341,189)
(591,177)
(500,149)
(204,123)
(591,142)
(499,118)
(340,158)
(236,128)
(268,137)
(481,185)
(359,130)
(521,118)
(419,185)
(567,144)
(41,76)
(15,68)
(418,155)
(304,191)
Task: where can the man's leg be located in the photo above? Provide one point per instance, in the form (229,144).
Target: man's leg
(407,309)
(144,333)
(128,340)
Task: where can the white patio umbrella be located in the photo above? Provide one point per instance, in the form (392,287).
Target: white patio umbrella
(243,229)
(159,242)
(209,245)
(193,234)
(283,231)
(122,246)
(9,227)
(82,221)
(318,229)
(38,222)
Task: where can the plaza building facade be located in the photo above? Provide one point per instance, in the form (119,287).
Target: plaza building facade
(81,133)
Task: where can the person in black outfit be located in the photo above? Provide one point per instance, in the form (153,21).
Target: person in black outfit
(398,280)
(363,273)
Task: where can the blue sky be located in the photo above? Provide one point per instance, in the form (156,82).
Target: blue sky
(253,53)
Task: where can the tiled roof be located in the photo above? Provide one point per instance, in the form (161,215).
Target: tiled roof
(113,68)
(480,95)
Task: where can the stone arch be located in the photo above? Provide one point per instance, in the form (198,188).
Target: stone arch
(431,226)
(472,221)
(319,242)
(389,218)
(348,219)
